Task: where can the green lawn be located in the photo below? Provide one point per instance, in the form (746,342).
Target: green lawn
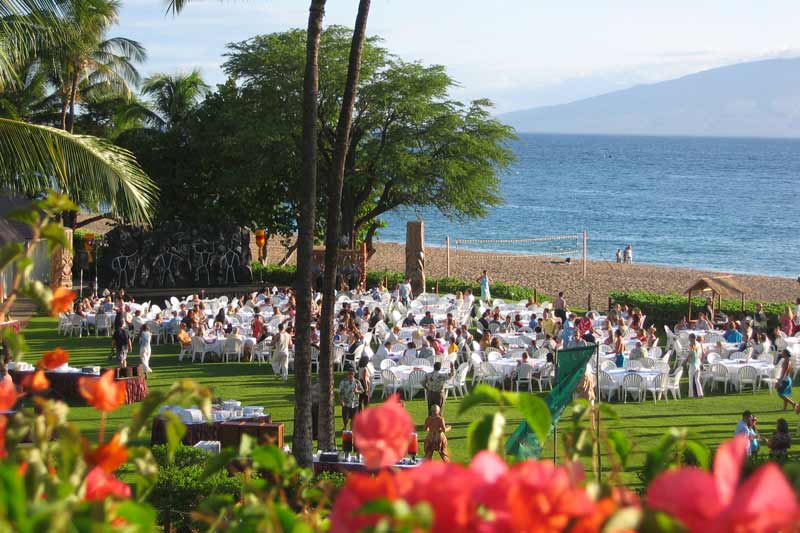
(710,420)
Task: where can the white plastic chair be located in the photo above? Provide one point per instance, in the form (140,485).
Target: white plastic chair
(102,322)
(674,385)
(544,376)
(773,378)
(631,364)
(632,384)
(387,363)
(233,347)
(198,348)
(748,375)
(414,383)
(524,376)
(260,352)
(657,387)
(720,374)
(76,325)
(388,382)
(608,386)
(607,365)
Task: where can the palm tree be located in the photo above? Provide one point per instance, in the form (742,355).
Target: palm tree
(174,97)
(89,63)
(335,185)
(34,159)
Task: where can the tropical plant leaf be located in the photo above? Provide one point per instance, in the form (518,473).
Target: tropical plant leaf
(485,433)
(481,394)
(93,171)
(621,445)
(537,414)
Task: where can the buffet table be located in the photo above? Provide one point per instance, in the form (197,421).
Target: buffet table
(342,466)
(228,432)
(64,385)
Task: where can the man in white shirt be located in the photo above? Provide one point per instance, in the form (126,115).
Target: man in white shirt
(383,351)
(747,427)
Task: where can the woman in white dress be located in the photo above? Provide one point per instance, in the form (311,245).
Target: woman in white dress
(484,282)
(144,347)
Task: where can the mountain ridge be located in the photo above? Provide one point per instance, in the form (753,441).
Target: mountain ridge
(752,99)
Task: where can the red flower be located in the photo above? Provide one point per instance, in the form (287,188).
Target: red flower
(535,496)
(3,422)
(448,487)
(36,382)
(382,433)
(8,395)
(54,359)
(62,300)
(103,393)
(358,490)
(604,509)
(717,502)
(100,485)
(108,456)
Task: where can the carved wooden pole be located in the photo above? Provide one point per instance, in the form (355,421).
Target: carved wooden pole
(415,255)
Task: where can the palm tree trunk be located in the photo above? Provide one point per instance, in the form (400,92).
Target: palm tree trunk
(64,106)
(335,183)
(73,93)
(302,444)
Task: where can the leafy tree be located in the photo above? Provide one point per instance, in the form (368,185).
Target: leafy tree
(410,145)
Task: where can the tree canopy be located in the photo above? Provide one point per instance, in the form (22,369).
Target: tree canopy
(238,156)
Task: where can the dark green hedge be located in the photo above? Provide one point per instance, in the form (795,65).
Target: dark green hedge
(670,308)
(181,488)
(285,276)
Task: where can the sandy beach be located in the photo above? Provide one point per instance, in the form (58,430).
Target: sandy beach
(550,274)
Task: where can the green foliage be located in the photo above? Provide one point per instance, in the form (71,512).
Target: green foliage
(181,486)
(670,308)
(277,275)
(673,449)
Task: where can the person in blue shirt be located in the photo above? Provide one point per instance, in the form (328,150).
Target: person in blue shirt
(733,335)
(747,427)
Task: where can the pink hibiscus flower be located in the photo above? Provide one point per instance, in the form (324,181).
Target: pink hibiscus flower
(717,502)
(382,433)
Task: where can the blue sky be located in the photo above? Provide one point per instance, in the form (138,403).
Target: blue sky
(519,53)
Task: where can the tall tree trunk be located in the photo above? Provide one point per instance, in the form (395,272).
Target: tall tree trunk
(73,94)
(302,444)
(335,183)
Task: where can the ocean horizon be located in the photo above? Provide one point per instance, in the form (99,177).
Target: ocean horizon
(711,203)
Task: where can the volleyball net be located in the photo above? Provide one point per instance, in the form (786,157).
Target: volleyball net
(570,246)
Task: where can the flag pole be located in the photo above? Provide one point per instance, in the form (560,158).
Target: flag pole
(555,425)
(596,409)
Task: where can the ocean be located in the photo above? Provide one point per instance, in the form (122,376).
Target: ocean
(720,204)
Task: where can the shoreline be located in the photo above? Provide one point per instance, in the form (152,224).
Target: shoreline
(577,260)
(551,274)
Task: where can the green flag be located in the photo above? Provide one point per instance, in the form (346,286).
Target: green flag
(571,367)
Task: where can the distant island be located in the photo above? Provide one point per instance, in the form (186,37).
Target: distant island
(754,99)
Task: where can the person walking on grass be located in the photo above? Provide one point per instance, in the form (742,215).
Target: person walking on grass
(121,342)
(350,391)
(693,361)
(436,440)
(484,281)
(784,386)
(144,347)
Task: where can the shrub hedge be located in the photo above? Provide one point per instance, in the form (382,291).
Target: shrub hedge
(285,276)
(181,487)
(670,308)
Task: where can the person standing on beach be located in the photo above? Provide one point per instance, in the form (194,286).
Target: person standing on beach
(618,255)
(628,254)
(484,282)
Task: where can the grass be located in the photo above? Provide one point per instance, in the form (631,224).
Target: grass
(710,420)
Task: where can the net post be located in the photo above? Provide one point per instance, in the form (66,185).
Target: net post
(447,243)
(584,253)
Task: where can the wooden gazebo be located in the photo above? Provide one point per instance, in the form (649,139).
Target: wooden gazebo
(718,287)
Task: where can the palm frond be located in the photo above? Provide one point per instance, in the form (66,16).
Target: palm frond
(89,170)
(122,46)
